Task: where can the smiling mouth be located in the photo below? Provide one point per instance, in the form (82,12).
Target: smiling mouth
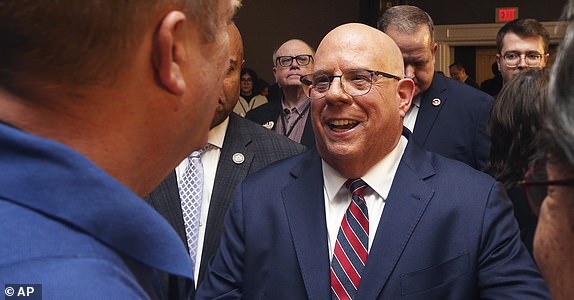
(342,125)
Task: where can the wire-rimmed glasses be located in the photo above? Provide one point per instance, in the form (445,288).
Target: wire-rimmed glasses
(535,184)
(531,58)
(356,82)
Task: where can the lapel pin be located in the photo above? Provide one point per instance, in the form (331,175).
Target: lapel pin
(436,102)
(238,158)
(269,125)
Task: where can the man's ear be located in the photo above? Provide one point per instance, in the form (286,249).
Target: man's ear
(498,59)
(406,91)
(169,52)
(275,74)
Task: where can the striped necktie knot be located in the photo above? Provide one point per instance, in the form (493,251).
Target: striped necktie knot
(356,186)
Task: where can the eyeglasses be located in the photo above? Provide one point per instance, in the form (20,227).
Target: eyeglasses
(532,58)
(535,184)
(353,82)
(287,61)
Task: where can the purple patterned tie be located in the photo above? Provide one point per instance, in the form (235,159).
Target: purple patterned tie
(190,194)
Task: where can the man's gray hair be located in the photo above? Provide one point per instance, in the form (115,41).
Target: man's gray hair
(559,122)
(406,19)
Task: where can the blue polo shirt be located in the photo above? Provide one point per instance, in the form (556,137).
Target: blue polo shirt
(70,227)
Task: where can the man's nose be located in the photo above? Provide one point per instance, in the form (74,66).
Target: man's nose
(336,94)
(522,62)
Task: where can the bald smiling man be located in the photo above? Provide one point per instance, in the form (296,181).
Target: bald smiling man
(368,214)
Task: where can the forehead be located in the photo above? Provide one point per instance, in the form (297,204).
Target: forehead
(418,41)
(336,57)
(514,42)
(293,48)
(355,48)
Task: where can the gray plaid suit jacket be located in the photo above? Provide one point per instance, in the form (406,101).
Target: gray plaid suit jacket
(260,148)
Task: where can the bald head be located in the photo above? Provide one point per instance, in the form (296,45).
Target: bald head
(230,90)
(287,77)
(356,43)
(235,42)
(358,117)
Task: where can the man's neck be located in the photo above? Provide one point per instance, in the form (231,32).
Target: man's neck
(292,95)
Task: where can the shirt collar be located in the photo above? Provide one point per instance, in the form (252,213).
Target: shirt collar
(299,108)
(217,134)
(379,177)
(417,100)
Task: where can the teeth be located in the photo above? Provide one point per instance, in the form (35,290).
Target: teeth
(343,122)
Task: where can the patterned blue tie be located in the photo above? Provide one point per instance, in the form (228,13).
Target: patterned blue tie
(190,194)
(351,249)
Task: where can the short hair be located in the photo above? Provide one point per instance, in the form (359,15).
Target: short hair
(459,66)
(523,28)
(514,123)
(277,49)
(558,134)
(79,43)
(406,19)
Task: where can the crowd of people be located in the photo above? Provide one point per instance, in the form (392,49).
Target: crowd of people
(362,173)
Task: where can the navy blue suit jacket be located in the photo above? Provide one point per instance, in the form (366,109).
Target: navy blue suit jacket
(456,127)
(447,232)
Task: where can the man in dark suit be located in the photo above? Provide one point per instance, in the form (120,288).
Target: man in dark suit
(287,111)
(447,117)
(458,72)
(238,147)
(423,226)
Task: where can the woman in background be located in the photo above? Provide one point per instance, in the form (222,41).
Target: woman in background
(514,122)
(250,97)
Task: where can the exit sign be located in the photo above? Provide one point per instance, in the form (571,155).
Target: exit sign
(506,14)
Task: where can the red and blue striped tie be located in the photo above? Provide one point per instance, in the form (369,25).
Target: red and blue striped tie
(350,254)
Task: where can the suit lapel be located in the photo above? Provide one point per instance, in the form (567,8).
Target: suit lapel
(428,111)
(165,199)
(305,209)
(227,176)
(406,203)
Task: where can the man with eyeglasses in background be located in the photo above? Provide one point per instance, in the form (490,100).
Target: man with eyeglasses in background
(447,117)
(368,213)
(521,44)
(287,113)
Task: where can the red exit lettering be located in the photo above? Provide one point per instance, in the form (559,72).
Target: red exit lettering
(507,14)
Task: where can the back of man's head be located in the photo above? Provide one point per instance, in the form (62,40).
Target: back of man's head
(406,19)
(79,43)
(524,28)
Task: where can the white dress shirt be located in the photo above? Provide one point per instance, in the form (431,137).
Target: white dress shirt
(209,159)
(412,113)
(338,197)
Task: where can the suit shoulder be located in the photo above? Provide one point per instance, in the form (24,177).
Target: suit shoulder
(268,140)
(457,171)
(279,171)
(264,113)
(467,94)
